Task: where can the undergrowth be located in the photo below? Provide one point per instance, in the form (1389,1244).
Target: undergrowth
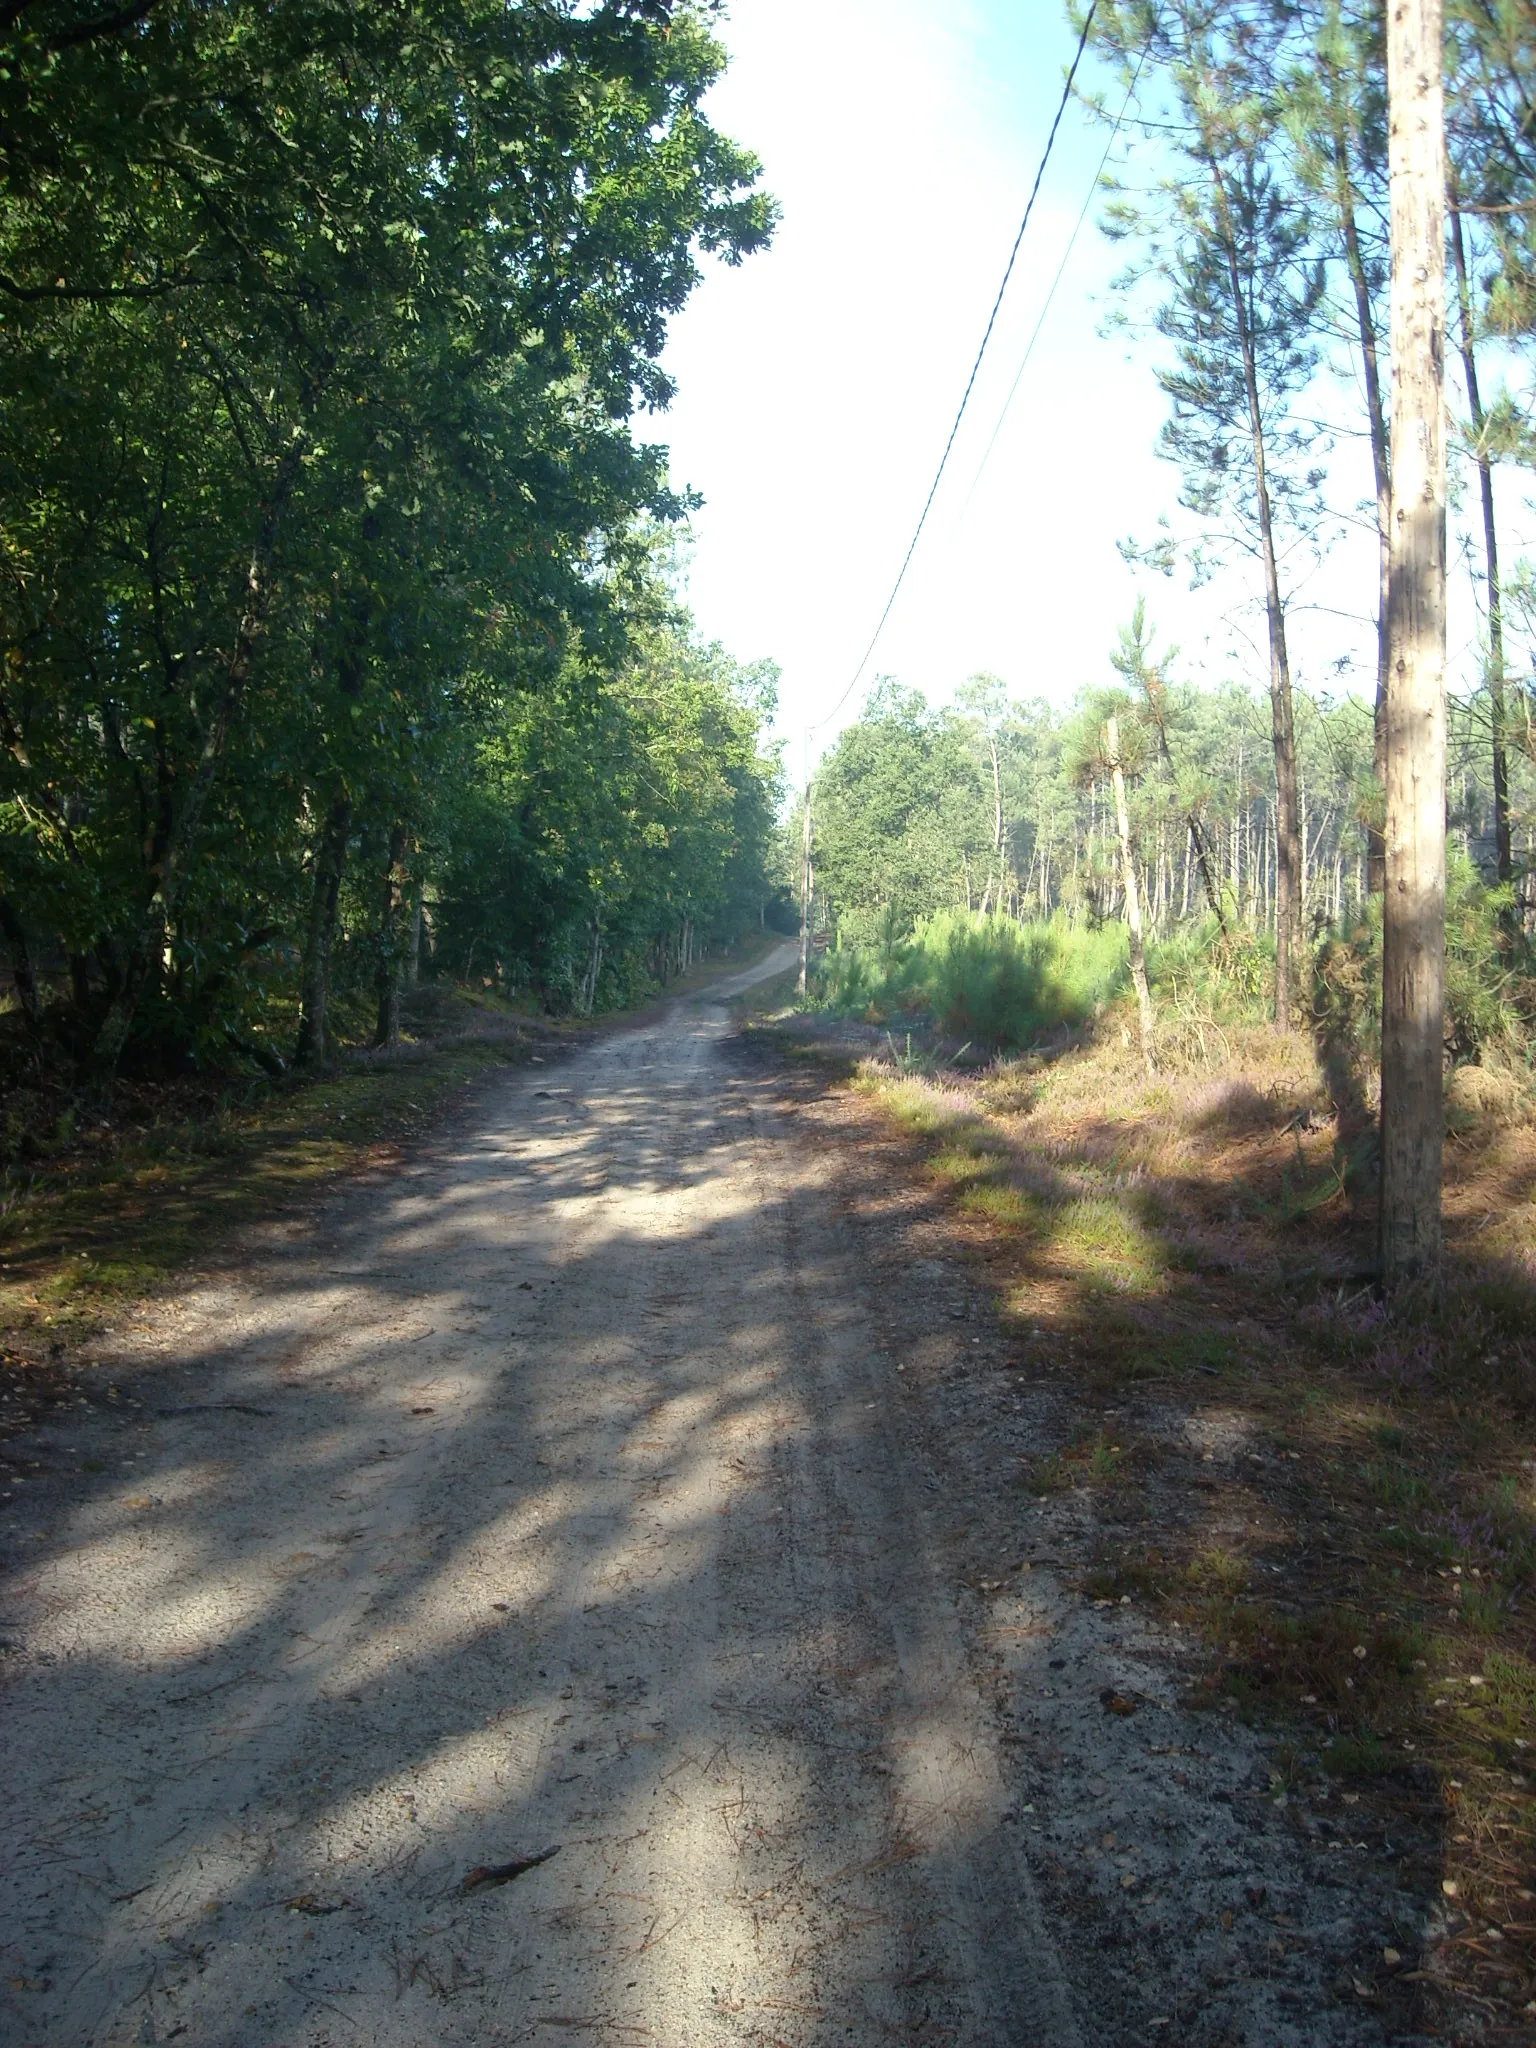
(987,979)
(1362,1576)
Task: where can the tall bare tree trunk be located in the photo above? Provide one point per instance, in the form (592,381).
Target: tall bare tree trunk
(1282,724)
(1504,852)
(1413,963)
(1132,897)
(805,895)
(1376,416)
(997,829)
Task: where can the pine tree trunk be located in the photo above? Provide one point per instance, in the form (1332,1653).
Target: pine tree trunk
(390,973)
(805,893)
(1132,898)
(1504,853)
(1282,725)
(997,823)
(315,977)
(1376,416)
(1413,963)
(1306,874)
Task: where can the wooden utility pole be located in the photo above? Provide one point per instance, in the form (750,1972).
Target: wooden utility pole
(1413,958)
(1132,895)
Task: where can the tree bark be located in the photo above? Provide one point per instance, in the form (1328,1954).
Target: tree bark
(391,967)
(997,827)
(1132,898)
(1504,852)
(315,978)
(1413,960)
(805,894)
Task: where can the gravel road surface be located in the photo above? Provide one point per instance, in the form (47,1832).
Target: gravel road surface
(508,1618)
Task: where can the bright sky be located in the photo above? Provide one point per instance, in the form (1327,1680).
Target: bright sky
(817,382)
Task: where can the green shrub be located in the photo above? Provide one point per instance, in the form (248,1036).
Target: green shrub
(1230,976)
(1002,983)
(985,979)
(1490,976)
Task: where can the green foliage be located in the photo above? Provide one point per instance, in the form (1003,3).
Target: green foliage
(986,979)
(897,817)
(614,826)
(1227,975)
(321,337)
(1490,975)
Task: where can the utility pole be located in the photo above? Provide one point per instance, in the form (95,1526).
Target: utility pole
(1413,951)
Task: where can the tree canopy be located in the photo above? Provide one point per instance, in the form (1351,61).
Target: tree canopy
(323,337)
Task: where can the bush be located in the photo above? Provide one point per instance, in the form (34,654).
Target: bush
(1230,976)
(1490,976)
(985,979)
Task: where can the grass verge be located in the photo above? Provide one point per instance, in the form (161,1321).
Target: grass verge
(1336,1503)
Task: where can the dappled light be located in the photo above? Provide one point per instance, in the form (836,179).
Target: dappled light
(551,1530)
(699,1347)
(1326,1506)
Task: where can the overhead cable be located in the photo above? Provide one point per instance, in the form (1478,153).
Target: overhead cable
(1029,346)
(901,577)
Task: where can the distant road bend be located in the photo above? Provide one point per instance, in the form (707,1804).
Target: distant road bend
(542,1498)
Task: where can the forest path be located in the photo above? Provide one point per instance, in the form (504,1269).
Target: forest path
(545,1494)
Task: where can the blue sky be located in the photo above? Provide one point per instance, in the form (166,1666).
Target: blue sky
(817,382)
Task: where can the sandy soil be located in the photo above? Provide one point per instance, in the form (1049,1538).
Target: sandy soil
(557,1495)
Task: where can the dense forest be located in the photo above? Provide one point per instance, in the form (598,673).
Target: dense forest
(991,804)
(337,628)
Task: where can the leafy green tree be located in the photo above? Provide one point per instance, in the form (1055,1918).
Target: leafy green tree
(614,825)
(321,333)
(902,825)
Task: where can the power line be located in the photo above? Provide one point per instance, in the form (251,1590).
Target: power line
(1050,143)
(1029,347)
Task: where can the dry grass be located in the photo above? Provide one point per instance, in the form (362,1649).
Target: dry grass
(1204,1242)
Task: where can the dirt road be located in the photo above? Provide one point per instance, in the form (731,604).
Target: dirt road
(542,1499)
